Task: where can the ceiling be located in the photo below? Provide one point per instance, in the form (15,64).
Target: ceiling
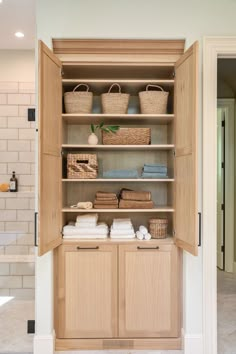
(17,16)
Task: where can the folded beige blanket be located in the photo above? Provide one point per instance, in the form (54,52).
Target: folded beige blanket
(105,206)
(136,195)
(135,204)
(106,202)
(100,194)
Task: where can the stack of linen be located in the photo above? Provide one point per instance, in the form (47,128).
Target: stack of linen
(105,200)
(135,200)
(120,174)
(154,171)
(122,228)
(86,226)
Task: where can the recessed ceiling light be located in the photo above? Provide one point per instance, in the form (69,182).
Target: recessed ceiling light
(19,34)
(0,1)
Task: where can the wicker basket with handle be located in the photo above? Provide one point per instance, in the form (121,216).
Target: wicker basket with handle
(116,103)
(127,136)
(158,227)
(78,101)
(153,102)
(82,166)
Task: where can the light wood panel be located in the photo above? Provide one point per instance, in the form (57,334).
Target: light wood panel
(49,227)
(148,291)
(131,343)
(186,117)
(87,291)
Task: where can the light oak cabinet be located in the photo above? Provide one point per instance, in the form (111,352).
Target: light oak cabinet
(149,298)
(87,291)
(104,297)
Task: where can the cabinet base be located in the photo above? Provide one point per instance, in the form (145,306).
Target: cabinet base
(125,343)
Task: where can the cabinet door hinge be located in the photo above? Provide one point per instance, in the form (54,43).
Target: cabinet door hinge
(62,72)
(223,123)
(173,74)
(223,248)
(174,153)
(222,207)
(222,165)
(173,233)
(62,152)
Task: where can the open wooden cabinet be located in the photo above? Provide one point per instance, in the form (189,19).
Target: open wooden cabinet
(114,294)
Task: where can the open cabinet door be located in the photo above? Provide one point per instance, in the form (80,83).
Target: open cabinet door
(49,113)
(186,104)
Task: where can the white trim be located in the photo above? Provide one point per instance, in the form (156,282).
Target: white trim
(213,48)
(192,343)
(44,344)
(228,107)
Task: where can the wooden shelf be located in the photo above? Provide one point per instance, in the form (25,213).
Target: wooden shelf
(118,147)
(160,209)
(119,241)
(144,180)
(118,118)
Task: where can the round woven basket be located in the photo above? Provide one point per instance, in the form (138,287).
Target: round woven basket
(115,102)
(153,102)
(158,228)
(78,101)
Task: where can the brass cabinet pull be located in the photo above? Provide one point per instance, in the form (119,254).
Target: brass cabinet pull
(87,248)
(148,248)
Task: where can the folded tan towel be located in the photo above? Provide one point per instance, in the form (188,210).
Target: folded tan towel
(136,195)
(100,194)
(106,198)
(106,202)
(135,204)
(105,206)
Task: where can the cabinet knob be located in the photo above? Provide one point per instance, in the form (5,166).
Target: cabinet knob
(87,248)
(148,248)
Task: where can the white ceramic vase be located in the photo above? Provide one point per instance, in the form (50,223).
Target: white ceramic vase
(92,139)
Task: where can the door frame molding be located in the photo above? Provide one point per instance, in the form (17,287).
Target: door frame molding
(213,48)
(227,104)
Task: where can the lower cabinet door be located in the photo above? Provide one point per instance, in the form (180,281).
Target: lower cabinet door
(87,291)
(149,291)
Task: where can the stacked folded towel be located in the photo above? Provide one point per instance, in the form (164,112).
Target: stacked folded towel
(122,228)
(105,200)
(86,226)
(120,174)
(135,200)
(154,171)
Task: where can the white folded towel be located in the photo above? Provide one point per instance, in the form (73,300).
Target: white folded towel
(147,236)
(87,217)
(121,231)
(127,236)
(139,235)
(122,226)
(99,229)
(82,225)
(85,236)
(143,229)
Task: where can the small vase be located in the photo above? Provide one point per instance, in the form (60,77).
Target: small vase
(92,139)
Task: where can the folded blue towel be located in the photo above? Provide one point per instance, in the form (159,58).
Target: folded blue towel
(155,168)
(120,174)
(154,175)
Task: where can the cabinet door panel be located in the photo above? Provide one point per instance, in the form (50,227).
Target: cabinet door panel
(148,292)
(186,102)
(88,292)
(49,124)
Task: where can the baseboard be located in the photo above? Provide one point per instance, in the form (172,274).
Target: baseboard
(192,343)
(44,344)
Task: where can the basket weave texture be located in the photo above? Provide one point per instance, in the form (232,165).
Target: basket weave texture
(158,228)
(153,102)
(127,136)
(82,166)
(116,103)
(78,101)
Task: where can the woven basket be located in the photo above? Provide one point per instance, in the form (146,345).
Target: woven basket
(78,102)
(115,102)
(82,166)
(153,102)
(127,136)
(158,228)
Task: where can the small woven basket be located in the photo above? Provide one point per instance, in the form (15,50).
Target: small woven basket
(158,228)
(78,101)
(82,166)
(127,136)
(115,102)
(153,102)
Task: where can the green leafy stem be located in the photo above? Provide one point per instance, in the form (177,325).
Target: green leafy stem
(109,128)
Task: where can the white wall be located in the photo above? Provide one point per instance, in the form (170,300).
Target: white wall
(17,65)
(150,19)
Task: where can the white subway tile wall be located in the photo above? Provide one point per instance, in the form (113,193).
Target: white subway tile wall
(17,146)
